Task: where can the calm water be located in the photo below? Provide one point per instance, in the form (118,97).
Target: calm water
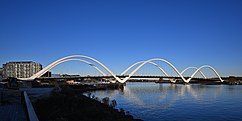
(167,102)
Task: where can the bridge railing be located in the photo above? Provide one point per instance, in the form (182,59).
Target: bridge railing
(31,115)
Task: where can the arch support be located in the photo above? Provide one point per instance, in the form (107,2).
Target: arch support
(150,60)
(192,67)
(142,63)
(139,62)
(44,70)
(206,66)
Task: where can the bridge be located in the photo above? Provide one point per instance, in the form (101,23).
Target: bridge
(122,78)
(140,78)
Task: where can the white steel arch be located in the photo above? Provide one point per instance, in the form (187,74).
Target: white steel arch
(154,59)
(77,57)
(44,70)
(162,70)
(206,66)
(180,74)
(88,63)
(192,67)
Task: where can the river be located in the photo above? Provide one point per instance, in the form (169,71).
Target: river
(178,102)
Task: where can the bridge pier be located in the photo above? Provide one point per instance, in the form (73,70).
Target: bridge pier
(186,83)
(173,80)
(121,85)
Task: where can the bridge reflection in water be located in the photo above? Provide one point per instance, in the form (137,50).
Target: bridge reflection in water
(152,101)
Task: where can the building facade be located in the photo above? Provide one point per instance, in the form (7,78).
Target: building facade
(23,69)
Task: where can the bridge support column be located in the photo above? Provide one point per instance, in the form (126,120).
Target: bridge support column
(121,85)
(186,83)
(160,80)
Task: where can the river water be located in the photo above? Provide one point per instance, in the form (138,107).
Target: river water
(178,102)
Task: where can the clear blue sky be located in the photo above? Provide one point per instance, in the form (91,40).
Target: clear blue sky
(120,32)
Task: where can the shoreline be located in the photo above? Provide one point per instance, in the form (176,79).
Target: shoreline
(68,105)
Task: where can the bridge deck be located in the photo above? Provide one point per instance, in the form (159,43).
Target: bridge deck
(123,76)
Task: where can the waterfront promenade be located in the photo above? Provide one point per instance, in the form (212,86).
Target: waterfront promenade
(11,108)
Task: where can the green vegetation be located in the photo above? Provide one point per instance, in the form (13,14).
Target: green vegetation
(66,105)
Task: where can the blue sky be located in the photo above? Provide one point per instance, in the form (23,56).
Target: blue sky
(121,32)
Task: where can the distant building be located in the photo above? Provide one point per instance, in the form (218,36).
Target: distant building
(22,69)
(1,71)
(1,74)
(55,75)
(47,74)
(68,75)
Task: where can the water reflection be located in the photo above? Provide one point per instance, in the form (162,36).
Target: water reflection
(166,94)
(177,100)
